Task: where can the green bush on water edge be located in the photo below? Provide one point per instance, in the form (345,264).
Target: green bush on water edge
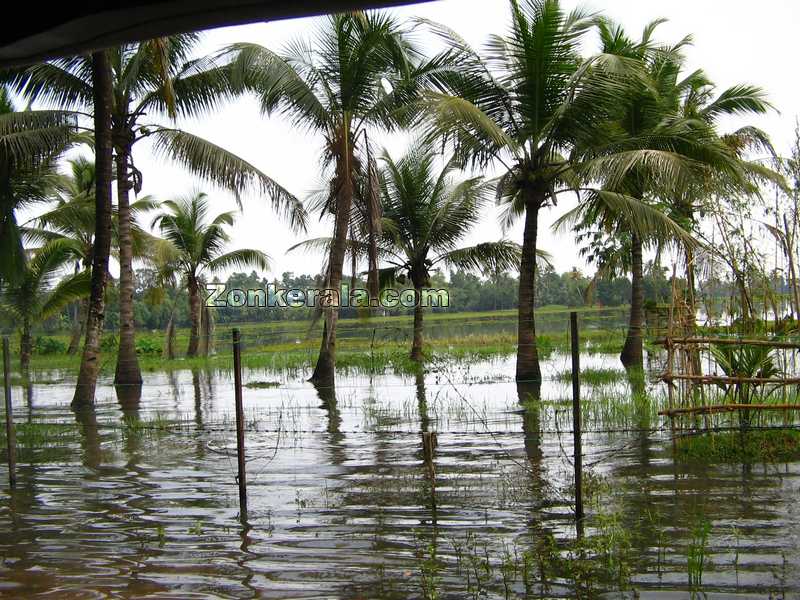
(753,446)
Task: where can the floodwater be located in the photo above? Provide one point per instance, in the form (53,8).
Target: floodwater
(341,503)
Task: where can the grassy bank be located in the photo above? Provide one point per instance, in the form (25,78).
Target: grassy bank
(372,344)
(778,445)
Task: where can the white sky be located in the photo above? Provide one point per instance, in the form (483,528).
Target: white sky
(738,41)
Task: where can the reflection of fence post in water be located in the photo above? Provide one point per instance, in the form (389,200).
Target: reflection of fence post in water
(10,437)
(237,382)
(428,446)
(576,419)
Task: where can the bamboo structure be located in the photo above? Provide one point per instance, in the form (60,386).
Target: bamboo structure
(691,403)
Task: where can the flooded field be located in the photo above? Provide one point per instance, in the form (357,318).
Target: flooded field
(139,498)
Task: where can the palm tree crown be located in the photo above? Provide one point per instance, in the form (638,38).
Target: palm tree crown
(200,243)
(425,216)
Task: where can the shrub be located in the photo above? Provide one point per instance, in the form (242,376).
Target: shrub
(48,345)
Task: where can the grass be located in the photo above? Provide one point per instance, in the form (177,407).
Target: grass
(361,352)
(594,376)
(260,385)
(770,446)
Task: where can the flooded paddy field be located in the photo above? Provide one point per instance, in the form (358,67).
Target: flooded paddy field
(138,497)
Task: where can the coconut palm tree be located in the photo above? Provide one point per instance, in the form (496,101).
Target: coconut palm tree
(682,152)
(73,218)
(102,100)
(151,78)
(30,142)
(425,215)
(357,69)
(200,244)
(533,106)
(32,297)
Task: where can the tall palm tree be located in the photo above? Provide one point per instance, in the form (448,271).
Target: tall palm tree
(200,244)
(32,297)
(426,213)
(532,105)
(73,218)
(30,142)
(102,100)
(682,152)
(357,69)
(151,78)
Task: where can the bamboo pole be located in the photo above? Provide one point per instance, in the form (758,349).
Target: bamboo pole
(714,408)
(237,378)
(576,421)
(714,379)
(685,341)
(11,439)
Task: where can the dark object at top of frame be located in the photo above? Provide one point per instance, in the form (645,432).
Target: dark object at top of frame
(35,32)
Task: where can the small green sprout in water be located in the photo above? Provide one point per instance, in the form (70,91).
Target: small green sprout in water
(258,385)
(696,559)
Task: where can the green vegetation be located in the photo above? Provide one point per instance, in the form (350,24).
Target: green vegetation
(737,447)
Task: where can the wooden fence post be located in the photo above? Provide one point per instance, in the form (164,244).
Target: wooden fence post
(237,380)
(576,419)
(11,439)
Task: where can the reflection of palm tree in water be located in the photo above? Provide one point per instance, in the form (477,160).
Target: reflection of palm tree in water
(529,397)
(428,439)
(129,398)
(86,417)
(327,396)
(422,402)
(198,399)
(29,399)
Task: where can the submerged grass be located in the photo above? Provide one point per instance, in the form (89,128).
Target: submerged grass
(774,445)
(594,376)
(373,345)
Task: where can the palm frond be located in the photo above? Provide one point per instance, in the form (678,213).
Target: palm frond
(227,170)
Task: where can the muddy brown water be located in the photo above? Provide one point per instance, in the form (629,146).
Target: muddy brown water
(340,504)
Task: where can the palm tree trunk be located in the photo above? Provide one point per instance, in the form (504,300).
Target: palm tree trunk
(324,371)
(206,331)
(77,326)
(527,353)
(25,348)
(90,360)
(632,354)
(128,372)
(169,344)
(194,316)
(416,345)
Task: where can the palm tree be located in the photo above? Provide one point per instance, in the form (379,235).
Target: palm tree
(73,218)
(200,244)
(151,78)
(425,215)
(680,150)
(358,69)
(102,99)
(533,106)
(32,298)
(30,143)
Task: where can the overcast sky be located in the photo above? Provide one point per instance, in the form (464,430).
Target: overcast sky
(734,42)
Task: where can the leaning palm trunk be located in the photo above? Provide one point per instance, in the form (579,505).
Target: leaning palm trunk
(127,372)
(194,316)
(90,360)
(77,327)
(374,230)
(206,331)
(632,354)
(169,344)
(324,371)
(527,353)
(25,348)
(416,345)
